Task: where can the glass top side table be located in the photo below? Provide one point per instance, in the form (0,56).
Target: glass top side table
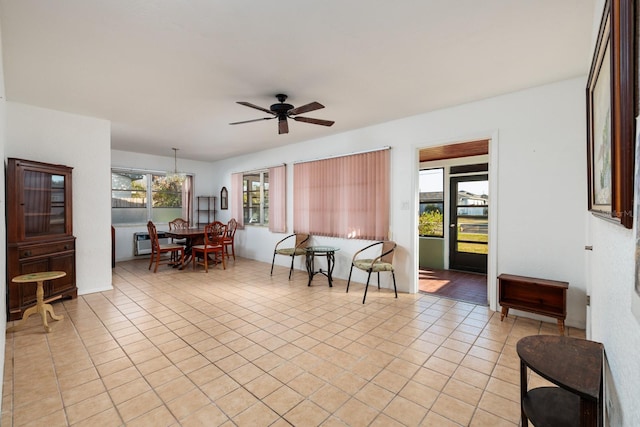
(329,253)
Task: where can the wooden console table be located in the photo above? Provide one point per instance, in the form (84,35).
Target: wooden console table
(575,366)
(539,296)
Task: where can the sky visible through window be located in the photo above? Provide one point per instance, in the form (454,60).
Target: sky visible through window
(432,180)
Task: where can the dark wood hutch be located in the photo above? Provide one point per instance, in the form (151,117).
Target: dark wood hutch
(39,232)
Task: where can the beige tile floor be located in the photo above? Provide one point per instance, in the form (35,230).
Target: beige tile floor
(238,347)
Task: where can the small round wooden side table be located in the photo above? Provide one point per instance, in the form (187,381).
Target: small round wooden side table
(40,307)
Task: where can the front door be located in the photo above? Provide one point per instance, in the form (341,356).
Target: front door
(469,223)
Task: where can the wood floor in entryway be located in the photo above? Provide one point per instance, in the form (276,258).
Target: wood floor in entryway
(458,285)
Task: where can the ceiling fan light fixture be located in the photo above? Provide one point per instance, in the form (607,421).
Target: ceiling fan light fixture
(175,175)
(284,111)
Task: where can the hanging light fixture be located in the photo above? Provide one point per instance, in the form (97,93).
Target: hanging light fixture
(175,175)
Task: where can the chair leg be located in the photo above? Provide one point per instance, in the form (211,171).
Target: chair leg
(366,287)
(233,251)
(155,270)
(151,260)
(205,257)
(224,266)
(394,283)
(293,258)
(349,281)
(378,280)
(273,261)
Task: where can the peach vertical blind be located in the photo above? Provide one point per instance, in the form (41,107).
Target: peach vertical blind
(344,196)
(236,199)
(277,199)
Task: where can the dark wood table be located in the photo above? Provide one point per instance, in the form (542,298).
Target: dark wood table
(575,366)
(540,296)
(192,236)
(329,252)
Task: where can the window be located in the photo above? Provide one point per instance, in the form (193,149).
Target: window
(255,198)
(137,197)
(431,220)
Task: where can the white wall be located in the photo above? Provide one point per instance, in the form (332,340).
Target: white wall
(613,323)
(611,271)
(204,185)
(540,184)
(83,143)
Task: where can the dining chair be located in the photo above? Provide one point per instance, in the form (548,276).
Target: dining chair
(229,239)
(157,249)
(299,248)
(214,234)
(382,262)
(178,224)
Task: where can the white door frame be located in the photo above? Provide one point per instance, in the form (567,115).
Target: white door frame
(492,259)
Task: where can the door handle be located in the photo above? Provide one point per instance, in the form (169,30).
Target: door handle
(452,225)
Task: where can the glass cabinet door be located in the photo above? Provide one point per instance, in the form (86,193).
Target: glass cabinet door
(44,203)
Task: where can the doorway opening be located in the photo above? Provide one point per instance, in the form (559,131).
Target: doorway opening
(454,221)
(457,285)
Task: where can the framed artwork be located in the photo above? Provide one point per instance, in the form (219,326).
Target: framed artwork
(611,111)
(224,199)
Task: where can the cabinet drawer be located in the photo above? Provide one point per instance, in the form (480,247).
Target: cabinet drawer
(45,249)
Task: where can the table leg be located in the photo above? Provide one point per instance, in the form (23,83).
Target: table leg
(187,255)
(40,306)
(310,266)
(523,393)
(561,326)
(49,309)
(330,264)
(588,413)
(28,312)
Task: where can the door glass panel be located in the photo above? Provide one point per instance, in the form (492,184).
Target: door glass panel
(431,219)
(472,217)
(43,204)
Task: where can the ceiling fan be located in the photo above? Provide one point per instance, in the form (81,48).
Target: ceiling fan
(283,111)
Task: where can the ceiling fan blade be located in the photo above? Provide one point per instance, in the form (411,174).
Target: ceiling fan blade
(312,106)
(283,126)
(314,121)
(248,104)
(254,120)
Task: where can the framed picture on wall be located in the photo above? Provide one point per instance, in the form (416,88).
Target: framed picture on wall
(611,111)
(224,199)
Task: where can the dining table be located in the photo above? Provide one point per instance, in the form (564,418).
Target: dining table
(192,236)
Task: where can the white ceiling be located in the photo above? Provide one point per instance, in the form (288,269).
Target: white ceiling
(168,73)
